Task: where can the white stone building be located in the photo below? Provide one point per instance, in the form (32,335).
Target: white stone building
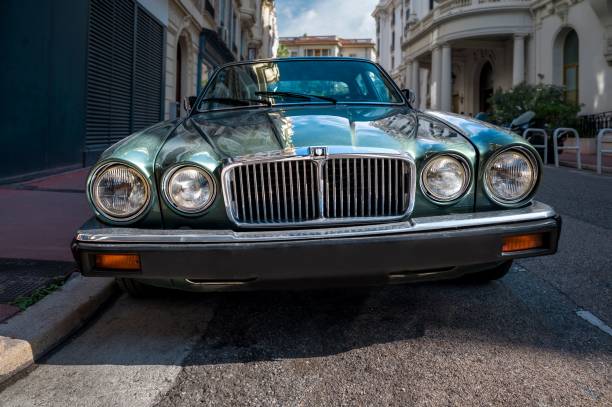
(329,46)
(454,53)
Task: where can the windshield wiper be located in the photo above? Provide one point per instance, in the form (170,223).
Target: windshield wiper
(297,95)
(237,102)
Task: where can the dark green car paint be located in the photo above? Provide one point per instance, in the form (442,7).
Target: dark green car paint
(488,140)
(212,138)
(138,151)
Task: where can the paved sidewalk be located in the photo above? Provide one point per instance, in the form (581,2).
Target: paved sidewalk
(38,219)
(589,161)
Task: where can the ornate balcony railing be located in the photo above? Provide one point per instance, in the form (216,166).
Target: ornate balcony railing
(453,7)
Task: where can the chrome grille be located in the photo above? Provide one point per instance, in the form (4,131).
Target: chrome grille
(275,192)
(366,187)
(306,190)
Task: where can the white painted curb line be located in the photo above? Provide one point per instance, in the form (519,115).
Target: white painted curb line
(32,333)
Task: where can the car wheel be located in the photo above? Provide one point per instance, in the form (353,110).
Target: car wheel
(488,275)
(135,288)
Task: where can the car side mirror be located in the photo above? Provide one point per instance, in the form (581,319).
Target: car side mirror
(189,102)
(410,96)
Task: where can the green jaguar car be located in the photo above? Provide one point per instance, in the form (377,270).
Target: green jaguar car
(309,172)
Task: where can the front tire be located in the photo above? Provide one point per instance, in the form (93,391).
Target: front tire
(135,288)
(485,276)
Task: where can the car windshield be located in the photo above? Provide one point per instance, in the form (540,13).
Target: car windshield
(298,81)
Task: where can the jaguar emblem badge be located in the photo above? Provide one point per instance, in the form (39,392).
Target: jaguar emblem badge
(318,152)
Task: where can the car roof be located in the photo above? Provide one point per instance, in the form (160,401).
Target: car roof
(292,59)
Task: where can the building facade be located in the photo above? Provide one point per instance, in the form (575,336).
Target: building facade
(95,71)
(329,46)
(455,53)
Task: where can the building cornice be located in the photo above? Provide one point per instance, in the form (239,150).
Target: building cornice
(433,21)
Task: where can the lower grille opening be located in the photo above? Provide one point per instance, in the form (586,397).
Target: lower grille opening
(413,273)
(199,281)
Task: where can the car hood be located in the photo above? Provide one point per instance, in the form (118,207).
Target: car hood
(243,132)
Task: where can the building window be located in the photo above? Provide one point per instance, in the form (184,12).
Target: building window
(318,52)
(294,54)
(252,54)
(570,67)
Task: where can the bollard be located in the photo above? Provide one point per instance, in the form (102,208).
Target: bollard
(600,151)
(544,146)
(559,132)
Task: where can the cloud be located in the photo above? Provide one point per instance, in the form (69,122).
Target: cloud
(345,18)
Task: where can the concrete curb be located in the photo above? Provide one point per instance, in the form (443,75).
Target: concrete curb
(27,336)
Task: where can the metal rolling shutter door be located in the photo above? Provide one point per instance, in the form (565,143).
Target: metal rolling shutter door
(124,72)
(148,71)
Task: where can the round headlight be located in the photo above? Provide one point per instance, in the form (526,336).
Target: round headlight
(119,192)
(445,178)
(510,176)
(189,189)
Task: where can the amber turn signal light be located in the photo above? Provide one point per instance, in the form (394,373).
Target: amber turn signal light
(522,242)
(118,261)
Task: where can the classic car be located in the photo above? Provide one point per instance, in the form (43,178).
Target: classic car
(304,172)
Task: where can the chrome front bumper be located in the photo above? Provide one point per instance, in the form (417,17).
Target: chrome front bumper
(417,249)
(94,232)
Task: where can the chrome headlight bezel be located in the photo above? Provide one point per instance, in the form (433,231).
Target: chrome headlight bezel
(525,198)
(165,186)
(464,187)
(95,200)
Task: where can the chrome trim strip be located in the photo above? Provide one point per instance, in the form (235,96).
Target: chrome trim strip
(535,211)
(292,156)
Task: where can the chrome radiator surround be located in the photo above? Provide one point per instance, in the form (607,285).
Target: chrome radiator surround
(319,213)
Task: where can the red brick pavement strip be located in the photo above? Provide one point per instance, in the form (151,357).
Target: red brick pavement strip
(7,311)
(70,180)
(589,161)
(40,224)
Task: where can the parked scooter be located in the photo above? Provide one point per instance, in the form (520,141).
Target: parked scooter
(527,120)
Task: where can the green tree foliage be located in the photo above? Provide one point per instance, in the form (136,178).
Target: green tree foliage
(547,101)
(282,51)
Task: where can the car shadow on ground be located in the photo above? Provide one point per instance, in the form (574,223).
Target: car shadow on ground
(244,327)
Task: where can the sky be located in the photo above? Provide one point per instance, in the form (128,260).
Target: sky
(344,18)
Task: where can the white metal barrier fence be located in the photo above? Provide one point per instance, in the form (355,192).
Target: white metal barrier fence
(542,146)
(601,139)
(560,132)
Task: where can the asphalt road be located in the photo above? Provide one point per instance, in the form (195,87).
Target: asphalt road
(518,341)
